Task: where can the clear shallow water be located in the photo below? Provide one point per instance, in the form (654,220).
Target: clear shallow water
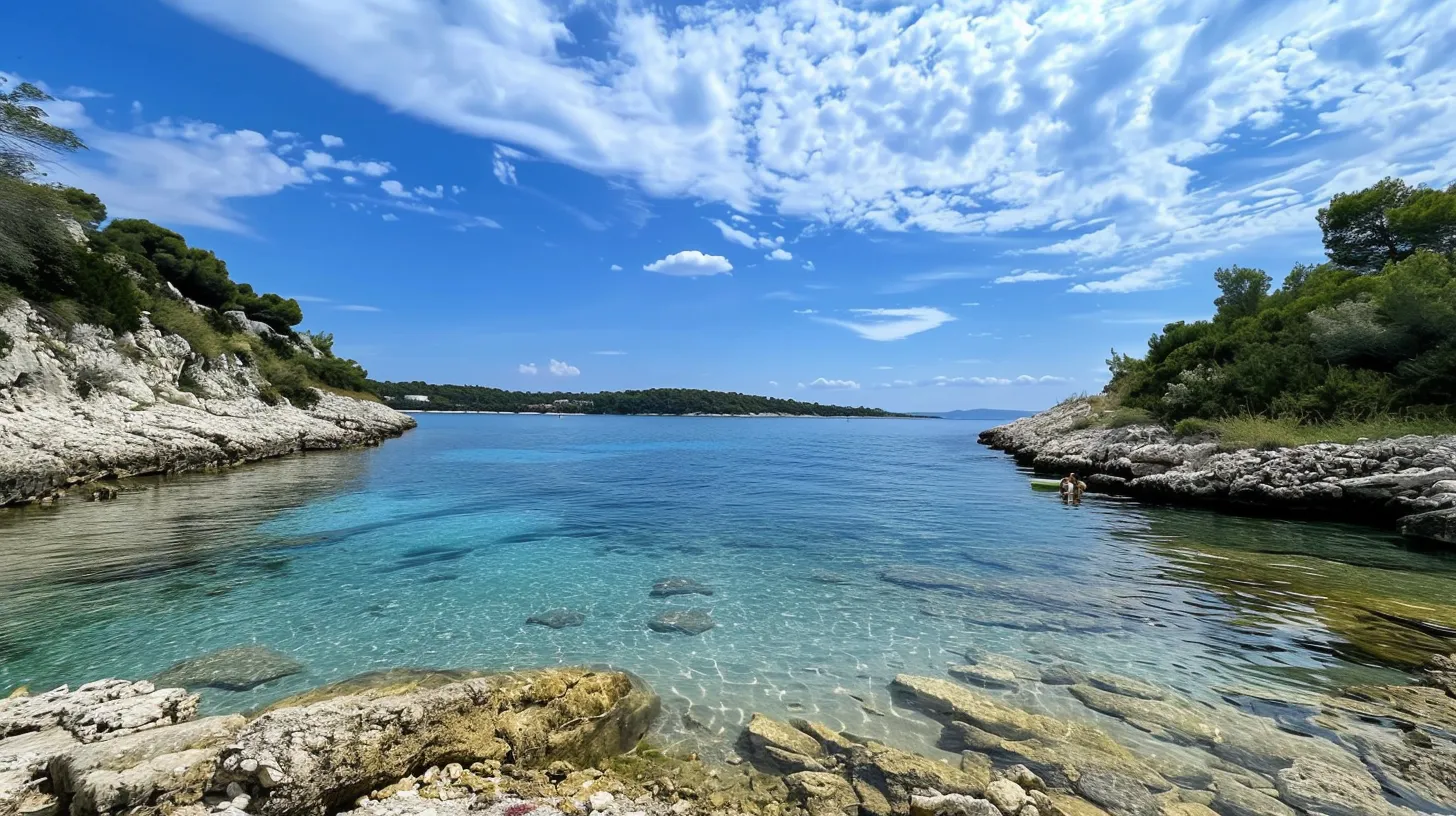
(432,551)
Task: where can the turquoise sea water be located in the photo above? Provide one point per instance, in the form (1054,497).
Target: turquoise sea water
(432,551)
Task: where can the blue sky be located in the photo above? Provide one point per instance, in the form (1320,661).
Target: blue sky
(910,205)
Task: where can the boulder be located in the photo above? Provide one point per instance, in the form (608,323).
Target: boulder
(1434,525)
(1383,486)
(1233,798)
(782,746)
(1007,796)
(238,668)
(558,618)
(683,622)
(668,587)
(951,804)
(314,759)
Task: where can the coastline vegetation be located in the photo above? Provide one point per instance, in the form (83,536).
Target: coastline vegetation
(1362,345)
(55,253)
(671,401)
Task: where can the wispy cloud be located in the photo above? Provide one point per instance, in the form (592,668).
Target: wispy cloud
(502,167)
(357,307)
(832,385)
(610,353)
(1031,276)
(527,368)
(891,324)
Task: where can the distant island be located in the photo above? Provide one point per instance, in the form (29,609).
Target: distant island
(420,396)
(978,413)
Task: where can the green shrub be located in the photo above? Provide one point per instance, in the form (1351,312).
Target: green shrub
(1125,417)
(288,379)
(1193,427)
(173,317)
(5,342)
(337,372)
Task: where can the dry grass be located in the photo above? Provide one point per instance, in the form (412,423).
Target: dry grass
(1264,433)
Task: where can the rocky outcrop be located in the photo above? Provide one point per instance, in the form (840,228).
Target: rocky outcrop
(1376,481)
(235,669)
(78,404)
(114,747)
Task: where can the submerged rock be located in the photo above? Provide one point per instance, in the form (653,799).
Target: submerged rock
(558,618)
(683,621)
(1126,686)
(1322,788)
(916,576)
(668,587)
(1121,795)
(234,669)
(822,576)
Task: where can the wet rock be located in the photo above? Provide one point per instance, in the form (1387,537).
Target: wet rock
(985,676)
(1007,796)
(1068,805)
(1024,778)
(1178,723)
(317,758)
(1119,794)
(1421,770)
(826,577)
(1233,798)
(1413,706)
(1327,789)
(1188,809)
(683,622)
(782,746)
(1126,686)
(823,794)
(1055,749)
(1062,674)
(234,669)
(668,587)
(558,618)
(921,577)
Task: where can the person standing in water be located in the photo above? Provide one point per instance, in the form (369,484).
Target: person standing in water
(1072,488)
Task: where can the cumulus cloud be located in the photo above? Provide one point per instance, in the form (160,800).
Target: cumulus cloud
(395,189)
(834,385)
(891,324)
(526,368)
(690,263)
(735,235)
(426,192)
(780,255)
(331,141)
(389,217)
(616,267)
(561,369)
(1030,276)
(1097,244)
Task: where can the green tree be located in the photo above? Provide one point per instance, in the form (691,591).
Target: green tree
(25,135)
(1243,289)
(1357,229)
(1427,220)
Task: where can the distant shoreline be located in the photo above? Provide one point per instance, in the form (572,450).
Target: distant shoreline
(699,416)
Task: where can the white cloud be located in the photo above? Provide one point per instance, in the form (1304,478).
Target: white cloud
(560,369)
(356,307)
(505,171)
(616,267)
(691,263)
(961,116)
(1027,379)
(283,135)
(806,311)
(891,324)
(389,217)
(395,189)
(738,218)
(318,160)
(972,303)
(331,142)
(456,189)
(735,235)
(526,368)
(426,192)
(834,385)
(175,173)
(1031,276)
(610,353)
(773,383)
(82,92)
(780,255)
(809,266)
(884,368)
(350,180)
(1097,244)
(1157,273)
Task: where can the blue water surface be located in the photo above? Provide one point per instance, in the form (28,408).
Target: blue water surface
(432,550)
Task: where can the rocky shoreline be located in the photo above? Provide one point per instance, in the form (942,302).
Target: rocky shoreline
(1409,483)
(79,405)
(570,741)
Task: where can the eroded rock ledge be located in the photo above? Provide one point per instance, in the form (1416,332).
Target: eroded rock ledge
(78,404)
(567,741)
(1409,482)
